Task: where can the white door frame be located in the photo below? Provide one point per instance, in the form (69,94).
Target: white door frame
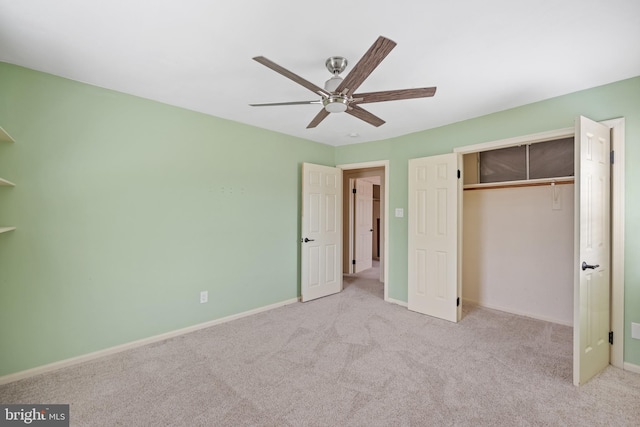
(348,223)
(617,127)
(384,262)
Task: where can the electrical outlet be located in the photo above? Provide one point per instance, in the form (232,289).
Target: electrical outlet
(204,297)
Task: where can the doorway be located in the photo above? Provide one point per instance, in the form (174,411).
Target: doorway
(617,131)
(373,175)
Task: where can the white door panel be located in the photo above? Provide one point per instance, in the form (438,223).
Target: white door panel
(435,204)
(592,247)
(321,263)
(364,224)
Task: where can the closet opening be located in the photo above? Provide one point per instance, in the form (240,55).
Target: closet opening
(518,238)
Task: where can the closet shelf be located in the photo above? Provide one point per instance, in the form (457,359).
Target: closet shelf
(7,183)
(4,136)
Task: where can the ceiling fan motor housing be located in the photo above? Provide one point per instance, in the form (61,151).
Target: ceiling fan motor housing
(332,84)
(335,65)
(336,103)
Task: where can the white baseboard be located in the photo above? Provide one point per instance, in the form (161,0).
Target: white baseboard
(519,313)
(396,301)
(631,367)
(134,344)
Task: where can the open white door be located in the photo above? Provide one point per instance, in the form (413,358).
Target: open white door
(364,224)
(592,250)
(321,263)
(435,207)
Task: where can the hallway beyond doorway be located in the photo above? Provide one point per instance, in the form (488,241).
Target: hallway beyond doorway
(368,280)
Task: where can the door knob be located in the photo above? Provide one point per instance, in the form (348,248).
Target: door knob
(585,266)
(308,240)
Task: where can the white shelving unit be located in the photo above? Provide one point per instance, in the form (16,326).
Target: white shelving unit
(5,137)
(6,183)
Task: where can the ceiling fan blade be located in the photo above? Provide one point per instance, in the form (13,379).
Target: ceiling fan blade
(288,74)
(286,103)
(363,114)
(318,118)
(371,59)
(393,95)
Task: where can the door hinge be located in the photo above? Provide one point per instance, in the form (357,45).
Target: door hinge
(353,191)
(353,262)
(458,302)
(612,156)
(611,337)
(458,173)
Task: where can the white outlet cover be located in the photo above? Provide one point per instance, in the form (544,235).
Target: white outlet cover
(635,330)
(399,212)
(204,297)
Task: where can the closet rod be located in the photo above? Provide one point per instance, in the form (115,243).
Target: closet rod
(523,184)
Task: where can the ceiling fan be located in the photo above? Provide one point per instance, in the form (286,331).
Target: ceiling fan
(338,95)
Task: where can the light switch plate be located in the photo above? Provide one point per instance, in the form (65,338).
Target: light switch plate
(399,212)
(635,330)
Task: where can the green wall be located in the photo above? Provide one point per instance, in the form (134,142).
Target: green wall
(126,209)
(620,99)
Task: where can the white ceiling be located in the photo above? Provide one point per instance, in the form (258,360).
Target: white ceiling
(484,56)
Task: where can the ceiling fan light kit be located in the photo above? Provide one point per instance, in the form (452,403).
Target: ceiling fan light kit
(336,103)
(339,95)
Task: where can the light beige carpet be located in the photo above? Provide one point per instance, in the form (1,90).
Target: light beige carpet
(347,359)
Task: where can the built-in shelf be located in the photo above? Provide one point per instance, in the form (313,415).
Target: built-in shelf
(7,183)
(4,136)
